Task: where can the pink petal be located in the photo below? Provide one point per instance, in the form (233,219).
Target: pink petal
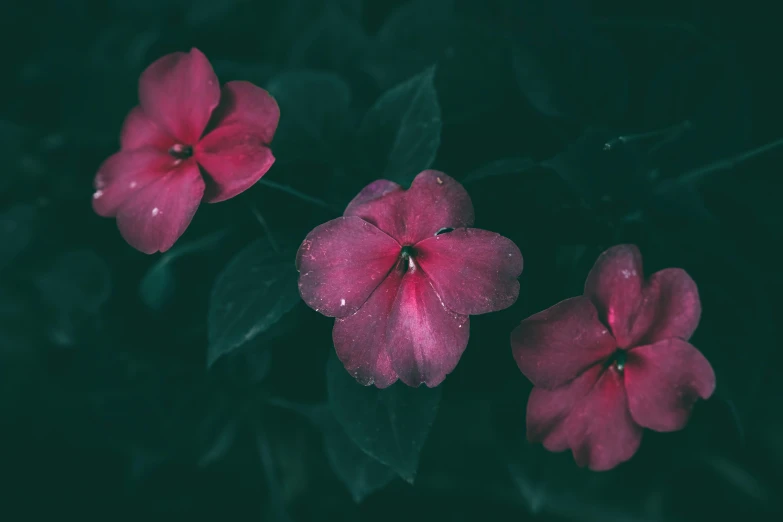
(139,131)
(547,410)
(473,271)
(425,339)
(154,218)
(601,432)
(249,105)
(664,380)
(341,262)
(615,285)
(124,174)
(179,91)
(373,191)
(676,306)
(433,202)
(360,339)
(234,156)
(554,346)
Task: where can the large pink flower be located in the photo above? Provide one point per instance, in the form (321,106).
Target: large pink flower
(188,140)
(401,273)
(616,360)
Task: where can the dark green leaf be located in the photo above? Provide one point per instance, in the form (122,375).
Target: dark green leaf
(361,473)
(313,109)
(400,134)
(251,294)
(77,281)
(473,62)
(332,42)
(500,167)
(390,425)
(16,232)
(565,67)
(158,285)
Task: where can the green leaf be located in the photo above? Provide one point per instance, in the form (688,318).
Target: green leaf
(361,473)
(500,167)
(313,108)
(158,285)
(252,293)
(77,281)
(473,59)
(400,134)
(16,231)
(390,425)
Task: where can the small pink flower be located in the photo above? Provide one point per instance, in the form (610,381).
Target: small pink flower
(401,273)
(188,140)
(616,360)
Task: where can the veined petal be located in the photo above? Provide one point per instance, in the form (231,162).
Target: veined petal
(425,340)
(434,201)
(139,130)
(234,157)
(124,174)
(554,346)
(153,219)
(473,271)
(664,380)
(179,92)
(341,262)
(615,286)
(250,106)
(361,339)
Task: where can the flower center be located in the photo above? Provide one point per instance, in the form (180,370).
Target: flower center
(181,152)
(617,360)
(407,254)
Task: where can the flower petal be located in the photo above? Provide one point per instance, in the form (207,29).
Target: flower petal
(676,306)
(371,192)
(425,339)
(249,105)
(664,380)
(179,91)
(601,432)
(547,410)
(124,174)
(341,262)
(615,285)
(138,130)
(433,202)
(154,218)
(234,157)
(473,271)
(360,339)
(554,346)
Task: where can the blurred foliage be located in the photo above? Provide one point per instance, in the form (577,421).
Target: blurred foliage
(574,125)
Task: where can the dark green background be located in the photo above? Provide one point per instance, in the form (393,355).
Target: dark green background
(107,410)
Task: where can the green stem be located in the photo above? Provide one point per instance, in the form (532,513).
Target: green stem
(293,192)
(670,133)
(697,175)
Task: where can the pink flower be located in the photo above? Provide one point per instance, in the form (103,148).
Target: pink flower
(188,140)
(616,360)
(401,273)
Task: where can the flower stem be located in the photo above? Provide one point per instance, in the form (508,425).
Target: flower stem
(266,228)
(697,175)
(273,485)
(293,192)
(669,133)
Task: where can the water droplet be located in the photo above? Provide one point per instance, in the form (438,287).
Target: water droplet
(440,181)
(133,184)
(98,193)
(342,302)
(155,211)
